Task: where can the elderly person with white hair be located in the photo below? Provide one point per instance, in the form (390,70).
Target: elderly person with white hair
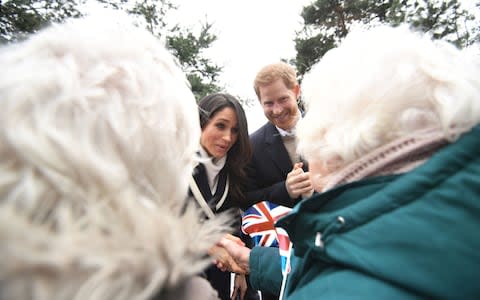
(393,144)
(98,129)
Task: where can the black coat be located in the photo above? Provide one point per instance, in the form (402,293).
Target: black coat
(269,168)
(219,280)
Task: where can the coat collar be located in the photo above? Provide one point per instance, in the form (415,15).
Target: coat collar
(213,200)
(361,201)
(274,146)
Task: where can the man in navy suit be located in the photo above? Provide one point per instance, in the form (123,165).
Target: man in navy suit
(276,173)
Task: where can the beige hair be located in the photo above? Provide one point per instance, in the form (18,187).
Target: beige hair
(382,84)
(98,128)
(272,72)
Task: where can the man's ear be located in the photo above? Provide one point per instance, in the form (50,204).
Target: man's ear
(297,91)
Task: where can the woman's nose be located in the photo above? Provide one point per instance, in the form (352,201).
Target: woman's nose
(227,136)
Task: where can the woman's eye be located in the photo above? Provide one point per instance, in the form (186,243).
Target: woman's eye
(220,126)
(235,130)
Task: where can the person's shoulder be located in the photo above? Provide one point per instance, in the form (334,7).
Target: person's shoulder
(259,134)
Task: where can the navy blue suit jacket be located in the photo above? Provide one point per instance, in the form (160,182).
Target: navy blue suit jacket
(269,168)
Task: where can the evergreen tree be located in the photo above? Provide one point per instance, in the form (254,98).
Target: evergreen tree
(21,17)
(327,22)
(187,47)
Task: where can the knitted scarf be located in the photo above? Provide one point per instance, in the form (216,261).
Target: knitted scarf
(399,156)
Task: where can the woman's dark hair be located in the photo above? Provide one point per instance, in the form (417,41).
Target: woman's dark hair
(240,154)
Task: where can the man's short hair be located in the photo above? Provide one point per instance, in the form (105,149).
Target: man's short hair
(272,72)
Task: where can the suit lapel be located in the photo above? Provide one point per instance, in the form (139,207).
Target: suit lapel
(274,146)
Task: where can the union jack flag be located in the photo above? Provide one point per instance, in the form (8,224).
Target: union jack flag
(284,247)
(258,221)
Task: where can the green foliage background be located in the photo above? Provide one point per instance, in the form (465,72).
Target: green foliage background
(18,18)
(327,22)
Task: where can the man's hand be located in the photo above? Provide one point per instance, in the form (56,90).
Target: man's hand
(236,258)
(298,182)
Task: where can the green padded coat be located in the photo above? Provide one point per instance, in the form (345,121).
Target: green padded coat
(409,236)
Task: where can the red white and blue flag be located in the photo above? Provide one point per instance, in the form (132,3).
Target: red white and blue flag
(258,222)
(284,247)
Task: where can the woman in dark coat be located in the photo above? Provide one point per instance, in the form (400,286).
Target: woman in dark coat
(218,182)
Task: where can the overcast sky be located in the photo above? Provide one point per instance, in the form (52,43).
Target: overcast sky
(251,34)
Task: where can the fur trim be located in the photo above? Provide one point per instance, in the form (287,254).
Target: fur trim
(132,252)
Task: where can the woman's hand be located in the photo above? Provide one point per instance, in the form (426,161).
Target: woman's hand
(234,258)
(222,259)
(239,287)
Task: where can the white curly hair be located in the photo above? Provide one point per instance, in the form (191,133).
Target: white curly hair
(381,84)
(98,130)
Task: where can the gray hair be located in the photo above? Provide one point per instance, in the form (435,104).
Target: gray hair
(381,84)
(98,130)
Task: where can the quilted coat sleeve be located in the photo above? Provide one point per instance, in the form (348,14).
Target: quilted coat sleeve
(266,270)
